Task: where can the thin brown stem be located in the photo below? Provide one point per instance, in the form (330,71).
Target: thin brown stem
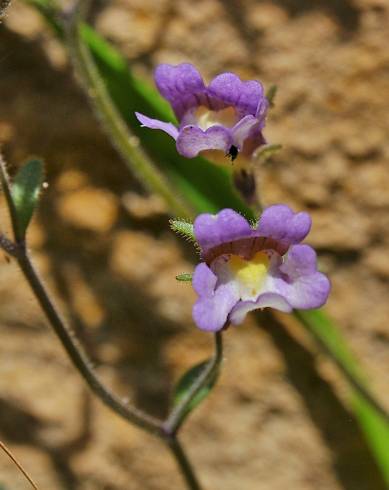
(184,464)
(77,355)
(18,465)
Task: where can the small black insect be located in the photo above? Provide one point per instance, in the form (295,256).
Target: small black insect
(232,152)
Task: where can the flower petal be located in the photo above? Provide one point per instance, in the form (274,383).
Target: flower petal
(147,122)
(211,230)
(204,280)
(300,283)
(243,130)
(192,140)
(231,91)
(265,300)
(181,85)
(282,224)
(211,312)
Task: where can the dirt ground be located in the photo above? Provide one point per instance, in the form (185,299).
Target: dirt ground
(279,418)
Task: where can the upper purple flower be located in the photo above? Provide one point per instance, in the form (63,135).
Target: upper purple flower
(245,268)
(228,115)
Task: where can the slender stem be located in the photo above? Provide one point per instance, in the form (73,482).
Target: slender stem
(184,464)
(178,414)
(77,355)
(6,186)
(73,348)
(18,465)
(117,130)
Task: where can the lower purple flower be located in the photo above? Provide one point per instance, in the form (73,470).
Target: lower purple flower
(246,268)
(228,114)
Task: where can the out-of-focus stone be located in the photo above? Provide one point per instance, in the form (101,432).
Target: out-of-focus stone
(90,208)
(352,232)
(377,259)
(369,184)
(142,207)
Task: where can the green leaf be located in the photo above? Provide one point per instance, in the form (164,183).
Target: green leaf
(25,193)
(184,277)
(186,383)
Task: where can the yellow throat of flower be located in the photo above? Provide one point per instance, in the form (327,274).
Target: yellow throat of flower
(250,274)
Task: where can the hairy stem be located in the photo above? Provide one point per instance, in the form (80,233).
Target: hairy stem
(77,355)
(118,132)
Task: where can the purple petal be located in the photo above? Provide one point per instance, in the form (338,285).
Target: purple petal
(260,114)
(300,283)
(212,230)
(192,140)
(204,280)
(243,130)
(282,224)
(265,300)
(231,91)
(181,85)
(211,312)
(147,122)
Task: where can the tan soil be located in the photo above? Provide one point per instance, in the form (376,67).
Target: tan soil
(278,419)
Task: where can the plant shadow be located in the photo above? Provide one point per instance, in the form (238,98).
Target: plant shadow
(352,460)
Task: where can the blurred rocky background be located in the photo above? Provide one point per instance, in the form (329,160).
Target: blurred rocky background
(279,418)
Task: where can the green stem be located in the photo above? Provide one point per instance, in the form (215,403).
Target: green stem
(118,132)
(74,350)
(178,414)
(184,464)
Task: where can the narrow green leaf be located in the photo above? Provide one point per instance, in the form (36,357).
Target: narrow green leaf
(376,431)
(372,418)
(186,382)
(184,277)
(25,193)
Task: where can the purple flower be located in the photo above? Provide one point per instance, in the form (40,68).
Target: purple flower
(226,115)
(246,268)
